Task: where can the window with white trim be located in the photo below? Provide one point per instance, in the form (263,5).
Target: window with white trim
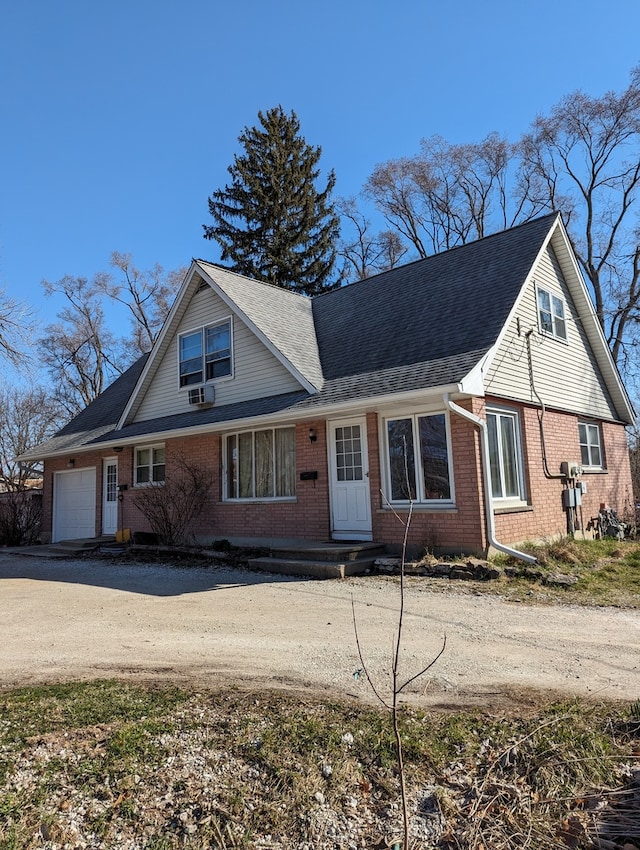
(590,445)
(205,354)
(551,314)
(149,467)
(505,455)
(418,459)
(261,464)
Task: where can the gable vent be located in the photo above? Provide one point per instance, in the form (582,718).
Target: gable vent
(202,396)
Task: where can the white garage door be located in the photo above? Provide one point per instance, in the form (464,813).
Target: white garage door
(74,504)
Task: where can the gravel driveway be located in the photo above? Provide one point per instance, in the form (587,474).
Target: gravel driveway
(76,619)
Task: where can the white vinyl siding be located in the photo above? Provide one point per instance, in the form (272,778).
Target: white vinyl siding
(565,374)
(256,371)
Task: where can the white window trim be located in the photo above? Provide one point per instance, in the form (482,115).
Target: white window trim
(511,501)
(418,504)
(235,500)
(201,329)
(553,334)
(149,466)
(591,467)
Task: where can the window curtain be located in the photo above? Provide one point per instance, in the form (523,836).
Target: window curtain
(245,465)
(264,464)
(285,461)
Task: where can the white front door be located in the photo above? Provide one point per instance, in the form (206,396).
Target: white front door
(110,496)
(349,477)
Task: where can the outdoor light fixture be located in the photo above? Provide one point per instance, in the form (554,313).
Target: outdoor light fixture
(118,449)
(71,463)
(312,435)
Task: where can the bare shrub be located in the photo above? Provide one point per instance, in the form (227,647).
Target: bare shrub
(171,507)
(20,517)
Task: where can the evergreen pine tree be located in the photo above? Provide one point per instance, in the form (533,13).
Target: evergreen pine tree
(272,223)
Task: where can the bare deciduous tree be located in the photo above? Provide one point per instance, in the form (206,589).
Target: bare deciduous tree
(586,156)
(450,194)
(147,296)
(28,416)
(364,254)
(79,350)
(16,328)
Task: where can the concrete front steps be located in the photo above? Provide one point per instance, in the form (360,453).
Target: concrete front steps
(320,560)
(71,548)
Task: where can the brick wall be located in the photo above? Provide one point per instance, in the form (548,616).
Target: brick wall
(306,516)
(458,529)
(547,517)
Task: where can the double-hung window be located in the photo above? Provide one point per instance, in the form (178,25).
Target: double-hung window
(590,445)
(505,455)
(205,354)
(149,465)
(551,314)
(261,464)
(418,459)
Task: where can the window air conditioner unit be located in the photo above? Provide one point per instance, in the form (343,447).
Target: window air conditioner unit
(202,396)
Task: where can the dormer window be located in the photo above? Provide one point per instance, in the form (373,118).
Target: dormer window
(205,354)
(551,314)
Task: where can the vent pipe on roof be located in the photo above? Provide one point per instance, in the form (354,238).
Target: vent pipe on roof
(486,480)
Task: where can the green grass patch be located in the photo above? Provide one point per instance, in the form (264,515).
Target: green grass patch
(42,710)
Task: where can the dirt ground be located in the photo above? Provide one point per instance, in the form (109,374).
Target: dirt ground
(211,626)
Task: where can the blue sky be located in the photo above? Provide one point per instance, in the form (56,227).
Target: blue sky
(119,119)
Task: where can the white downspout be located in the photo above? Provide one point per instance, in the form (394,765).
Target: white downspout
(486,480)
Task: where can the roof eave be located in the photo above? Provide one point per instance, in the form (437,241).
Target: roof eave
(465,388)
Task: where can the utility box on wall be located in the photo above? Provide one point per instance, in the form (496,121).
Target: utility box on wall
(572,497)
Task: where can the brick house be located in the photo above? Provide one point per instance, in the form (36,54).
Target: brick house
(474,385)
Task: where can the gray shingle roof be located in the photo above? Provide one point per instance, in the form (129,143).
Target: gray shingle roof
(97,419)
(285,317)
(440,308)
(426,324)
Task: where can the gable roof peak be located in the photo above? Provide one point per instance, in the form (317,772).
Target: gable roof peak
(252,280)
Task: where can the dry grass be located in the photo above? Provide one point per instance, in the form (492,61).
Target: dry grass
(116,766)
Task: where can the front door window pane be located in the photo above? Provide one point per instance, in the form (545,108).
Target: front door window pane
(112,482)
(348,454)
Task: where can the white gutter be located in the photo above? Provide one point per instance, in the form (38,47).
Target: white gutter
(488,496)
